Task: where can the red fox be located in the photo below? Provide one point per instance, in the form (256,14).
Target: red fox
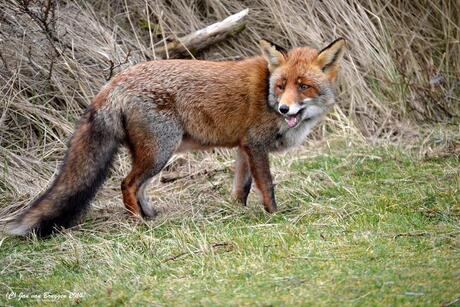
(158,108)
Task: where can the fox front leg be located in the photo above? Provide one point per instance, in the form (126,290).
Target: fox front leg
(243,180)
(260,169)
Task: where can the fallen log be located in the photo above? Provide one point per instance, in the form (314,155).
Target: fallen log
(203,38)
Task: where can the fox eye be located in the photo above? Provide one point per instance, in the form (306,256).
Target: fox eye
(303,87)
(280,87)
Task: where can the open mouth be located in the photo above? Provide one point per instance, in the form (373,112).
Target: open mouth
(294,119)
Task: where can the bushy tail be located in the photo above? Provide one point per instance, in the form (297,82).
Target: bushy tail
(85,167)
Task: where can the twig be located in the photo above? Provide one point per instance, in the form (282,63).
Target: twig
(455,301)
(192,176)
(45,21)
(412,234)
(175,257)
(113,66)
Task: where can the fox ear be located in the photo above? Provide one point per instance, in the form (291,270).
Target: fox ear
(274,57)
(329,57)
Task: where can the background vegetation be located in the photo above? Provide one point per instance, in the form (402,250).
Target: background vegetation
(370,215)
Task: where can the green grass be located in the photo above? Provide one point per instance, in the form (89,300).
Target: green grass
(356,227)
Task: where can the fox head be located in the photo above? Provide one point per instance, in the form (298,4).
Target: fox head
(302,80)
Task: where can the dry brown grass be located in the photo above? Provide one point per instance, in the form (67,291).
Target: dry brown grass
(402,69)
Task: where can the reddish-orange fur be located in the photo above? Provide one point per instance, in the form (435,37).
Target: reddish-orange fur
(234,102)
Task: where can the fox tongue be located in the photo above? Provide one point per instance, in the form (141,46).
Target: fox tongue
(291,120)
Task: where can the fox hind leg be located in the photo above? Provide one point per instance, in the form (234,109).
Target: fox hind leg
(143,201)
(152,138)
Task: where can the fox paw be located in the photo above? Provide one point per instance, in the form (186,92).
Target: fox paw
(147,209)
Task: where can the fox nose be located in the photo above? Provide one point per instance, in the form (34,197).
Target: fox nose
(283,108)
